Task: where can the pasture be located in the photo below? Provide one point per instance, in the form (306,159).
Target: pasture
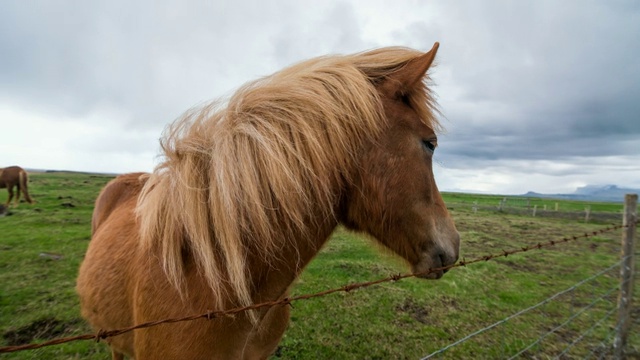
(42,245)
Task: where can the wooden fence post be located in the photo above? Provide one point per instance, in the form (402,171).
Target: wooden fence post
(587,211)
(626,274)
(501,204)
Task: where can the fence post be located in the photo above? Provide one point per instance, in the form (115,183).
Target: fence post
(626,274)
(587,211)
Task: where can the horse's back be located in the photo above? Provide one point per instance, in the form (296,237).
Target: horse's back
(9,176)
(117,192)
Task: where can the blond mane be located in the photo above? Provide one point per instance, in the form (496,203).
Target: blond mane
(246,175)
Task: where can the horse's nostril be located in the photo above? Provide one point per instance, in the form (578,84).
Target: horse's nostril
(443,261)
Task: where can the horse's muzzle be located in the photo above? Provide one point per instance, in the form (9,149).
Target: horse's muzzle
(438,261)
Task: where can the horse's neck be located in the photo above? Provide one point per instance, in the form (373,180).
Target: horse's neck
(272,279)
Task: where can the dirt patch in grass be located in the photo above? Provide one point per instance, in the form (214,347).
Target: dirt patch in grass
(520,266)
(418,312)
(635,312)
(45,328)
(450,303)
(566,335)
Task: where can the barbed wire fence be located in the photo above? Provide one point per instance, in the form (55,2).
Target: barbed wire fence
(606,297)
(614,330)
(626,266)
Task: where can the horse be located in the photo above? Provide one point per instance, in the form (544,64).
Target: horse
(248,191)
(15,176)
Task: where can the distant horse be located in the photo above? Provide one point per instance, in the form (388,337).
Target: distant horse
(249,191)
(15,176)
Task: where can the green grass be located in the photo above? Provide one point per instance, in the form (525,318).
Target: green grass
(530,202)
(397,320)
(37,292)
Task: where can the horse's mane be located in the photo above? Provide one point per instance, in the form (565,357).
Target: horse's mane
(247,174)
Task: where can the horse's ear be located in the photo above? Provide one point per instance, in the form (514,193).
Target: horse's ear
(411,74)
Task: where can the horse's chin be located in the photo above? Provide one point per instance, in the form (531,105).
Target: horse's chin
(431,267)
(428,274)
(433,275)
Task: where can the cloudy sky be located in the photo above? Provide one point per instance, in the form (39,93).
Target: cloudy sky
(535,95)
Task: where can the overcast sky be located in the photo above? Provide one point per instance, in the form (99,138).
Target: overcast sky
(535,95)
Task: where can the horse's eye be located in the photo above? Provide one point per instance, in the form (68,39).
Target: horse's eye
(429,145)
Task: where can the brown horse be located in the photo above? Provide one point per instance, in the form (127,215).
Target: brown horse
(15,176)
(248,193)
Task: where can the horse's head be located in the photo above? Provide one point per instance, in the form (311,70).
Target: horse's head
(394,195)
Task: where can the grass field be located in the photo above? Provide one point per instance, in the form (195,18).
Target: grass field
(42,245)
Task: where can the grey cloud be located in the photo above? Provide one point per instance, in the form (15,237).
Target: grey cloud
(326,30)
(518,81)
(557,79)
(153,59)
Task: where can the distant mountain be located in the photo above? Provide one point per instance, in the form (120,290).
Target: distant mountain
(607,193)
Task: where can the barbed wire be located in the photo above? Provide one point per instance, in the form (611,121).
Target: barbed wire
(210,315)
